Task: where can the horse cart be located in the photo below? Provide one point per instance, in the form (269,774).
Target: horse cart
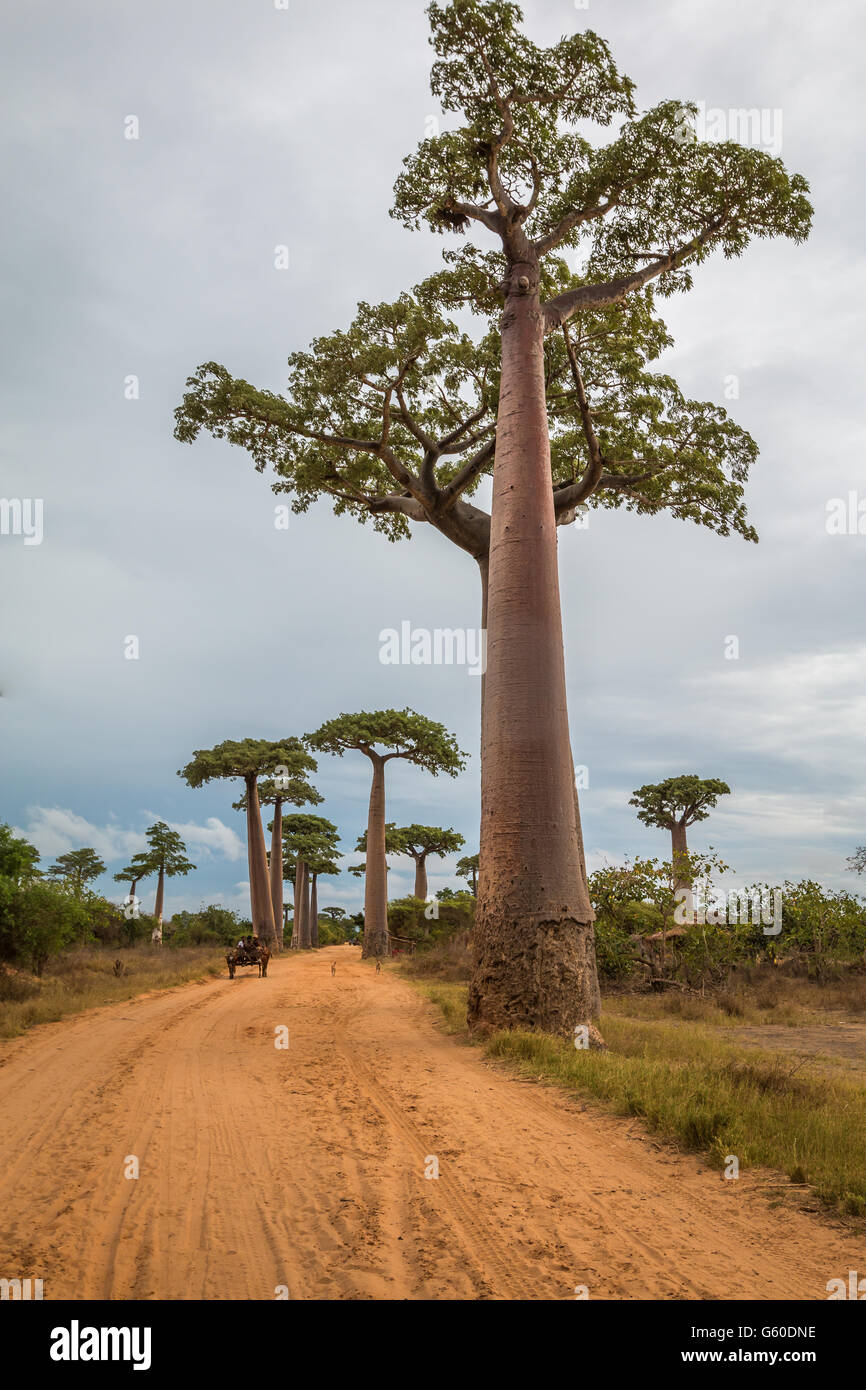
(248,952)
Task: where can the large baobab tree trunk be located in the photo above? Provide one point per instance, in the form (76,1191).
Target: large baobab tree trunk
(421,877)
(680,864)
(376,876)
(534,951)
(484,571)
(260,889)
(314,912)
(277,871)
(156,934)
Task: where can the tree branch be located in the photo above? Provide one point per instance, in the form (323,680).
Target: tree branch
(558,310)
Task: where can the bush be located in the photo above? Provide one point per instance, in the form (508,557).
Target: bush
(413,919)
(212,926)
(40,919)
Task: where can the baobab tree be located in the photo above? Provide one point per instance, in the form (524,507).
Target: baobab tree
(392,846)
(420,841)
(307,839)
(416,841)
(277,792)
(319,865)
(248,760)
(674,805)
(167,857)
(648,206)
(139,867)
(467,867)
(382,736)
(76,868)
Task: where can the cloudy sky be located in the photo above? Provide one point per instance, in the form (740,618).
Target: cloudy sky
(261,126)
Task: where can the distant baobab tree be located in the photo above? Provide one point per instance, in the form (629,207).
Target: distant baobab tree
(167,856)
(382,736)
(467,867)
(418,842)
(140,866)
(277,792)
(248,760)
(674,805)
(308,841)
(77,868)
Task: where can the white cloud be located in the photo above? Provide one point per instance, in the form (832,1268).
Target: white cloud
(55,829)
(213,839)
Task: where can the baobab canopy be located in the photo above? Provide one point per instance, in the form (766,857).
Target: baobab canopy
(394,418)
(678,800)
(391,733)
(249,757)
(650,204)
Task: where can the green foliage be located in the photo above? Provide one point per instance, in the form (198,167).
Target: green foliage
(406,370)
(107,924)
(456,895)
(334,931)
(315,839)
(37,920)
(403,733)
(212,924)
(678,800)
(18,858)
(77,868)
(393,843)
(247,758)
(393,418)
(467,867)
(330,436)
(824,926)
(820,927)
(140,866)
(484,60)
(167,851)
(292,790)
(412,918)
(525,163)
(857,861)
(418,840)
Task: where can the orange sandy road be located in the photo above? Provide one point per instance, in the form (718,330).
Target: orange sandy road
(305,1167)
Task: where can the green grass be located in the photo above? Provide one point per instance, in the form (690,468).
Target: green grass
(726,1009)
(450,998)
(697,1090)
(84,979)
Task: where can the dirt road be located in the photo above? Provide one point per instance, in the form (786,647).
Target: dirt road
(262,1167)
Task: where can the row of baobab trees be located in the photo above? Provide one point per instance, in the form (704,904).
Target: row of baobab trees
(276,774)
(304,845)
